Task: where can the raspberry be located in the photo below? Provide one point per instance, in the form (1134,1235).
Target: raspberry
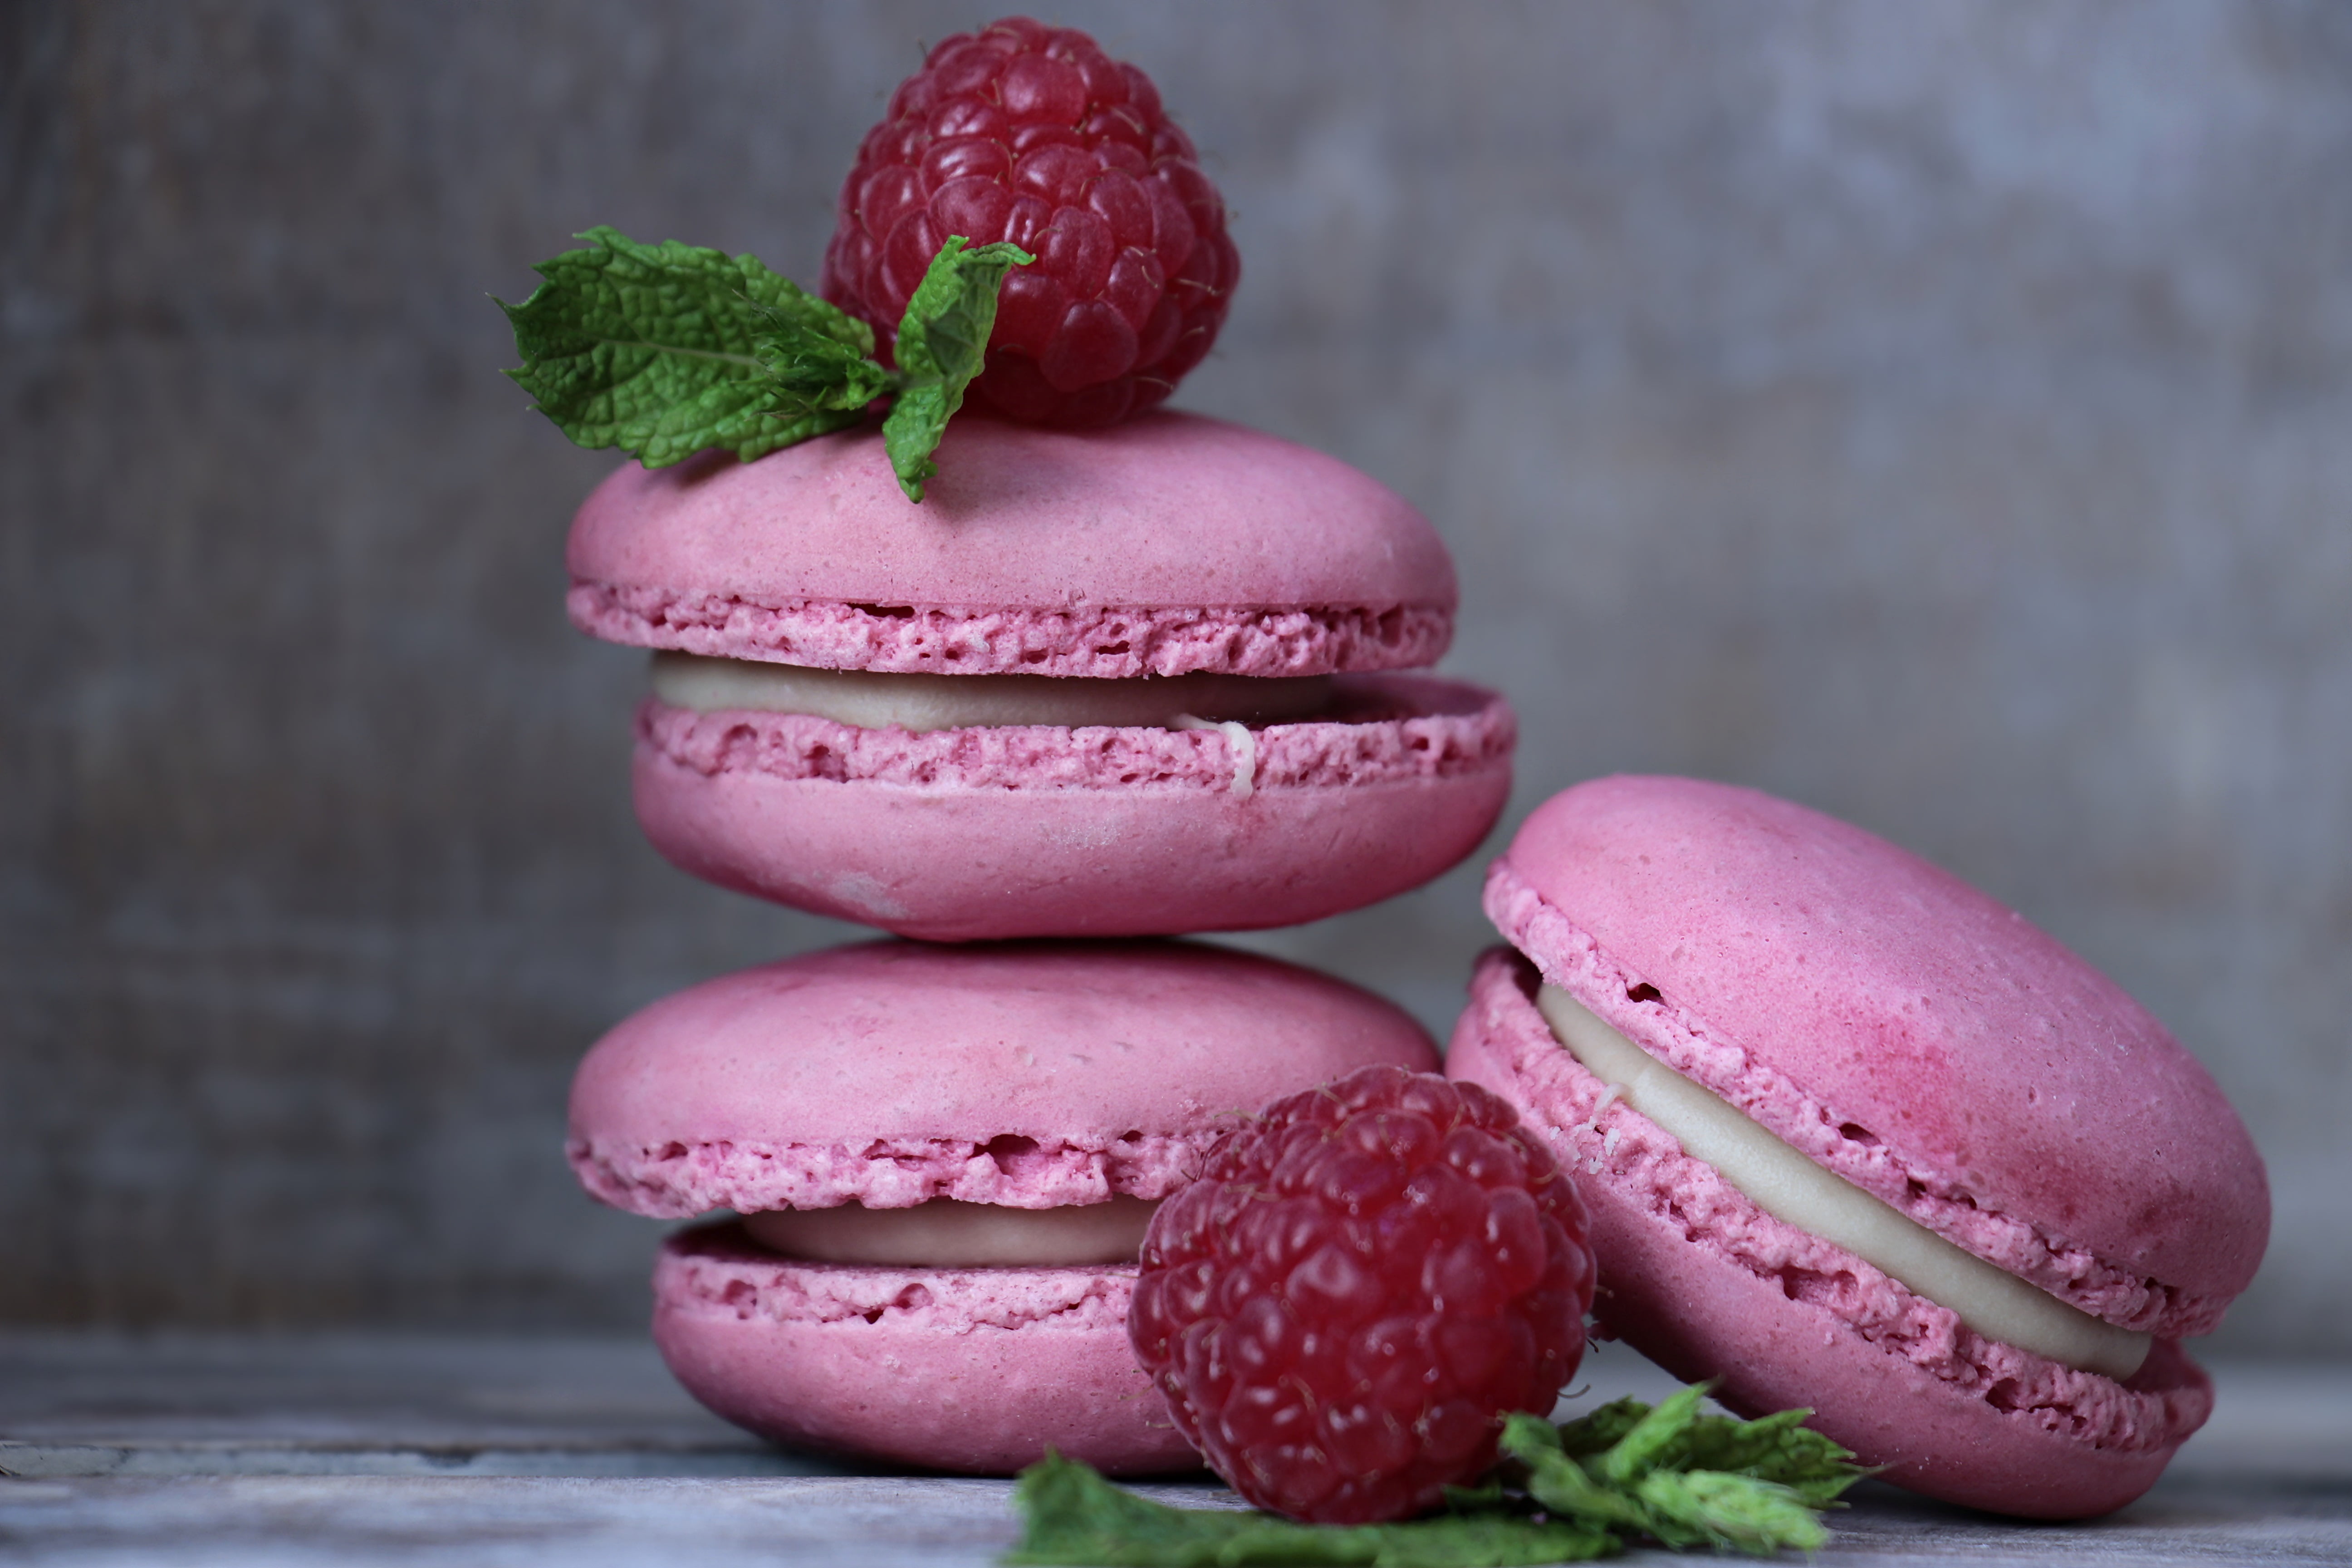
(1360,1284)
(1033,135)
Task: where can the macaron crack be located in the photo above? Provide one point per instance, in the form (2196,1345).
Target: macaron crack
(1388,728)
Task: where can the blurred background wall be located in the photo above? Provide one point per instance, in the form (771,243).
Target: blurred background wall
(1938,413)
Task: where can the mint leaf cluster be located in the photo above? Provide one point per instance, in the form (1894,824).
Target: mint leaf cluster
(1625,1473)
(1684,1478)
(1071,1515)
(667,350)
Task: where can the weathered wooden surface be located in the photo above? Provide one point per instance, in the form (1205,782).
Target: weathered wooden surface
(419,1451)
(359,1404)
(885,1522)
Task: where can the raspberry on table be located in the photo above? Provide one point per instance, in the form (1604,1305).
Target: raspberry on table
(1032,134)
(1360,1284)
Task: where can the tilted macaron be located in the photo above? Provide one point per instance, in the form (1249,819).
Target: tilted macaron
(1857,1136)
(1130,681)
(945,1159)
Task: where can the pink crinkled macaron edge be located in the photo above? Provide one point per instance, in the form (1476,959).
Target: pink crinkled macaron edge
(979,1370)
(1641,1161)
(678,1180)
(1413,728)
(715,1270)
(1571,958)
(1097,641)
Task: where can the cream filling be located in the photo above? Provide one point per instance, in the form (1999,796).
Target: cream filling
(948,1233)
(872,700)
(1240,744)
(1789,1187)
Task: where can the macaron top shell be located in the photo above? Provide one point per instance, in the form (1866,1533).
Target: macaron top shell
(1025,1074)
(1164,545)
(1901,1028)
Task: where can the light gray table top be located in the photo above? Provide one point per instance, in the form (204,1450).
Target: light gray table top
(425,1452)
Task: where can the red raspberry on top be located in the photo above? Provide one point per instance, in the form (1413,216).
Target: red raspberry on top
(1362,1283)
(1032,134)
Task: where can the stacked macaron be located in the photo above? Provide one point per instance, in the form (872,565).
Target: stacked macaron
(1133,682)
(1107,681)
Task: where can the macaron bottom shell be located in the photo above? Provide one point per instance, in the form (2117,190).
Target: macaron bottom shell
(966,834)
(1698,1280)
(972,1371)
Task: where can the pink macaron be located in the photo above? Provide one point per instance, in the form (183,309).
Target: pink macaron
(1133,681)
(1857,1137)
(944,1159)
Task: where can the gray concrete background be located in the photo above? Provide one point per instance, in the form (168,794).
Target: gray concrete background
(1938,413)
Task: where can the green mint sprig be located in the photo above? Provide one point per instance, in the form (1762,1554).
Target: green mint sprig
(1779,1448)
(666,350)
(943,345)
(1686,1479)
(1564,1494)
(1071,1515)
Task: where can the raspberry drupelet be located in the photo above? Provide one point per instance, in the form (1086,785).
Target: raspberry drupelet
(1032,134)
(1362,1283)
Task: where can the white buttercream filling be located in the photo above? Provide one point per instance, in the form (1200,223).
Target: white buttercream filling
(872,700)
(947,1233)
(1789,1187)
(1239,743)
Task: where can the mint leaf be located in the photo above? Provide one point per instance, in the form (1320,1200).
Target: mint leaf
(1598,1429)
(1565,1487)
(665,350)
(1778,1448)
(943,345)
(1685,1478)
(815,361)
(1071,1515)
(1570,1493)
(1652,1440)
(1736,1513)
